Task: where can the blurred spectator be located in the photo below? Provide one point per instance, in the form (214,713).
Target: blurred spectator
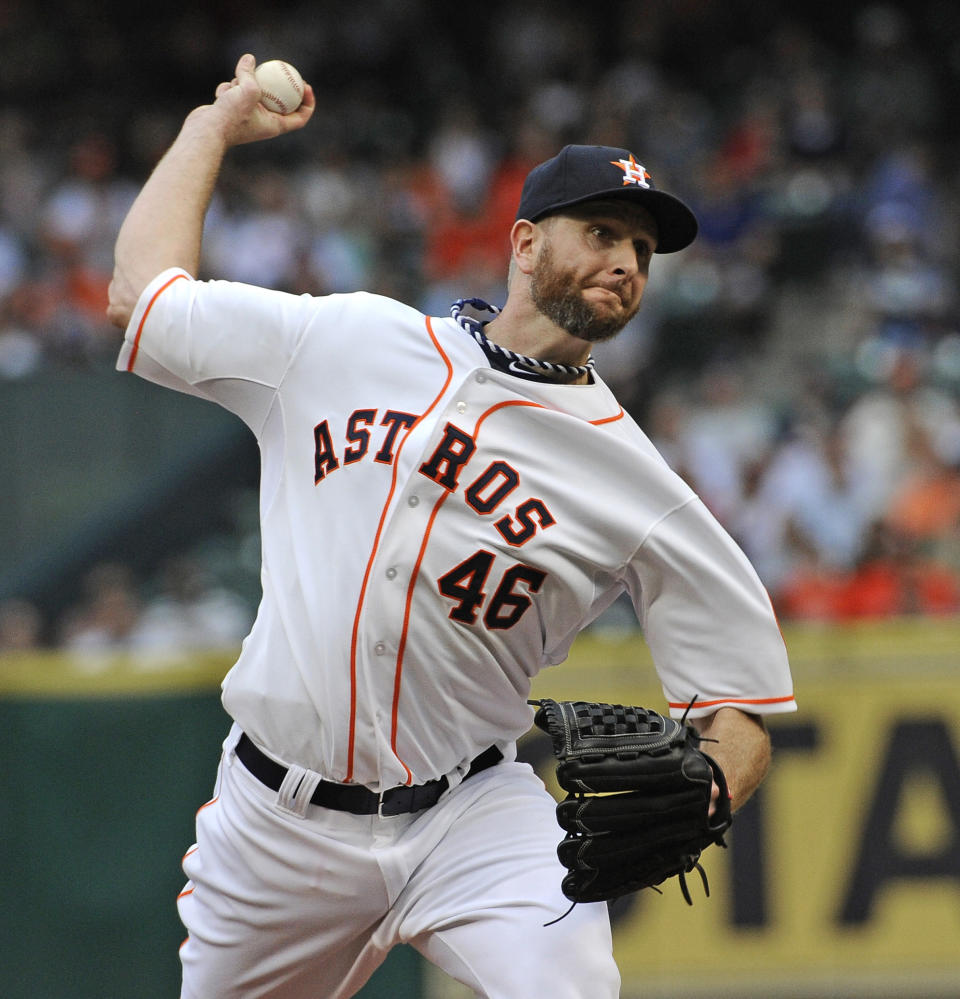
(83,211)
(900,197)
(667,415)
(889,86)
(878,427)
(761,525)
(813,128)
(812,591)
(21,354)
(260,241)
(21,626)
(118,615)
(829,506)
(894,577)
(26,173)
(925,508)
(905,288)
(190,612)
(13,261)
(105,619)
(728,428)
(79,220)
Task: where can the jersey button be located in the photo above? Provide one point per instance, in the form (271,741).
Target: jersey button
(380,648)
(413,501)
(481,378)
(461,407)
(391,573)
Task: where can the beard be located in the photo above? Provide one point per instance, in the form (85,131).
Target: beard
(556,293)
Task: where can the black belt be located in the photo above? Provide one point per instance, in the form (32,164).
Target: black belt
(356,798)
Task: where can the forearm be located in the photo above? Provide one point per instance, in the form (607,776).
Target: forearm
(164,227)
(742,748)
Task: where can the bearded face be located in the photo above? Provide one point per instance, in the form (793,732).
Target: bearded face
(557,293)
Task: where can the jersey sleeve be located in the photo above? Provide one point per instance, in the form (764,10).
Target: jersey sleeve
(707,618)
(221,340)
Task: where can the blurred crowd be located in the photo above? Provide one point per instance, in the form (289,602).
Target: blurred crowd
(182,610)
(799,365)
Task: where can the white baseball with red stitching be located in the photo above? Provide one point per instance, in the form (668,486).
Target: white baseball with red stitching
(281,86)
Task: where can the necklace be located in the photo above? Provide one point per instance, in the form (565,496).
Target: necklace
(533,365)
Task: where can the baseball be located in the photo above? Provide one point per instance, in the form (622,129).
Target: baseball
(281,86)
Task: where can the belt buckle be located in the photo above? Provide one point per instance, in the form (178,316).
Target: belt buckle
(396,801)
(387,802)
(404,799)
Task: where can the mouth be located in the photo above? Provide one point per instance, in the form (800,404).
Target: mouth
(609,293)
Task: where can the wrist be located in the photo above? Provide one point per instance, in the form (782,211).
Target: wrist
(207,124)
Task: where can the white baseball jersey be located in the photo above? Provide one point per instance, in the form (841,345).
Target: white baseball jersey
(435,532)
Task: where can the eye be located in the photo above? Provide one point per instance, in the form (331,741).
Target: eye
(643,248)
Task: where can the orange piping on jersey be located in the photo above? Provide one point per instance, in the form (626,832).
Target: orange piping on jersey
(351,741)
(734,700)
(394,720)
(146,312)
(503,405)
(395,715)
(537,405)
(608,419)
(183,894)
(193,849)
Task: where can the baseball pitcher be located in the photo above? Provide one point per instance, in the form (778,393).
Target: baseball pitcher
(446,502)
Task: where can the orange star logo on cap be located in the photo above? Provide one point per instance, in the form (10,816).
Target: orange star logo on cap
(633,172)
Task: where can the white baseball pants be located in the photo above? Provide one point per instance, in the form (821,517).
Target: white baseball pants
(305,903)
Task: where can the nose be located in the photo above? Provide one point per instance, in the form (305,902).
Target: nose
(623,262)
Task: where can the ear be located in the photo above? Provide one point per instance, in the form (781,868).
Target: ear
(525,238)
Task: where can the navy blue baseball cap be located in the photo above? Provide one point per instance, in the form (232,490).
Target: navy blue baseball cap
(584,173)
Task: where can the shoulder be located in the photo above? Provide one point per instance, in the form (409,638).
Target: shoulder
(360,309)
(371,303)
(254,306)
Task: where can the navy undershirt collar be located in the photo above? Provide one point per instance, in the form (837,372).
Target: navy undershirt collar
(504,359)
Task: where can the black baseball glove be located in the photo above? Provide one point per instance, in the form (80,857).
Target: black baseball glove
(638,796)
